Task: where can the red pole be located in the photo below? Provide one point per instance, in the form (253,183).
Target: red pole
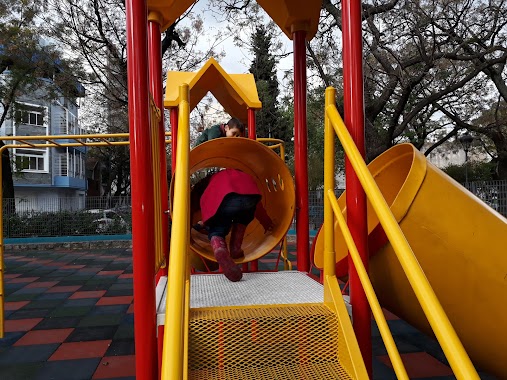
(155,54)
(301,152)
(174,132)
(252,134)
(143,246)
(356,199)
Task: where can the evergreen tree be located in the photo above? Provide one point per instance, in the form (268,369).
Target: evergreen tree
(270,122)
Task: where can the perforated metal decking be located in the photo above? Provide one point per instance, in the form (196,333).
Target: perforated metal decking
(267,326)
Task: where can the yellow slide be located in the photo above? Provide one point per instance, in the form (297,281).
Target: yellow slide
(460,243)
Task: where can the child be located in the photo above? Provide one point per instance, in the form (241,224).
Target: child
(231,200)
(233,128)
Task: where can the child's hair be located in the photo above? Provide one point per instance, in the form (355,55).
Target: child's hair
(235,123)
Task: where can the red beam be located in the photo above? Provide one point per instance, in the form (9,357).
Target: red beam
(143,247)
(355,196)
(301,152)
(252,133)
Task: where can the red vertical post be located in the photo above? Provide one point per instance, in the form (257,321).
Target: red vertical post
(143,246)
(252,133)
(155,54)
(174,133)
(301,152)
(356,198)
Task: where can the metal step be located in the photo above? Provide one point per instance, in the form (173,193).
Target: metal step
(260,288)
(265,342)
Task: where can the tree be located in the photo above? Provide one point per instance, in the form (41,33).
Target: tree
(94,30)
(29,66)
(429,66)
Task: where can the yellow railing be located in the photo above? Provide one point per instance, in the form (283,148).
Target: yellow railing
(157,202)
(48,141)
(174,357)
(445,333)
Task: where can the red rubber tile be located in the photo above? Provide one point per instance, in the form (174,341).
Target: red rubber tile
(63,289)
(120,300)
(130,310)
(115,366)
(11,275)
(47,284)
(15,305)
(20,280)
(81,350)
(420,364)
(126,275)
(14,325)
(87,294)
(44,337)
(389,316)
(110,272)
(73,266)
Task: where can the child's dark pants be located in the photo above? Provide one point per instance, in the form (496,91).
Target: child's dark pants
(235,208)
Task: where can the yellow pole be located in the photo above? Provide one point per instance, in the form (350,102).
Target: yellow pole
(329,253)
(445,333)
(385,332)
(174,336)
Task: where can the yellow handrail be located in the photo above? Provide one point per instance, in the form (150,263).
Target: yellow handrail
(173,357)
(445,333)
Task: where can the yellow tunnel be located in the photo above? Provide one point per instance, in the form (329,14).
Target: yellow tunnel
(273,179)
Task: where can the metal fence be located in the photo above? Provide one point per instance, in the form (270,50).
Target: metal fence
(41,217)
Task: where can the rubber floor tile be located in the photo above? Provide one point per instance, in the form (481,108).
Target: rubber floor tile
(420,365)
(42,284)
(53,296)
(25,371)
(115,300)
(81,369)
(80,302)
(21,297)
(92,333)
(119,292)
(28,354)
(126,275)
(43,304)
(81,350)
(70,311)
(29,313)
(44,337)
(121,348)
(58,323)
(9,276)
(115,366)
(87,294)
(10,338)
(101,320)
(109,309)
(63,289)
(15,305)
(19,280)
(110,273)
(124,332)
(21,324)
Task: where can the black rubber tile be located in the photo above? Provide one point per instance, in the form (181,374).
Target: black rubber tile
(44,304)
(25,371)
(27,354)
(120,348)
(30,313)
(92,333)
(54,296)
(80,369)
(80,302)
(10,338)
(58,323)
(119,292)
(109,309)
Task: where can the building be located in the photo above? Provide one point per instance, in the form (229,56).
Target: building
(52,174)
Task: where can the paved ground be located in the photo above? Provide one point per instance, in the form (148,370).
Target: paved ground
(69,317)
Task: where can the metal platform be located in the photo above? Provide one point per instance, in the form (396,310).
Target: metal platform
(261,288)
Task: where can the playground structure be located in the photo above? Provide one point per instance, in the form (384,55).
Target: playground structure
(304,331)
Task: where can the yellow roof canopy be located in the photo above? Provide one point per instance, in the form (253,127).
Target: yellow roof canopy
(235,92)
(289,15)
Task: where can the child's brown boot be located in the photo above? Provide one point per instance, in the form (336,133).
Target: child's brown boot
(229,267)
(237,234)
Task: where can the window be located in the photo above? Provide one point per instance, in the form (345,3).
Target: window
(31,117)
(31,160)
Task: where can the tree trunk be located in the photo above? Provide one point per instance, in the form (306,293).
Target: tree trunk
(7,183)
